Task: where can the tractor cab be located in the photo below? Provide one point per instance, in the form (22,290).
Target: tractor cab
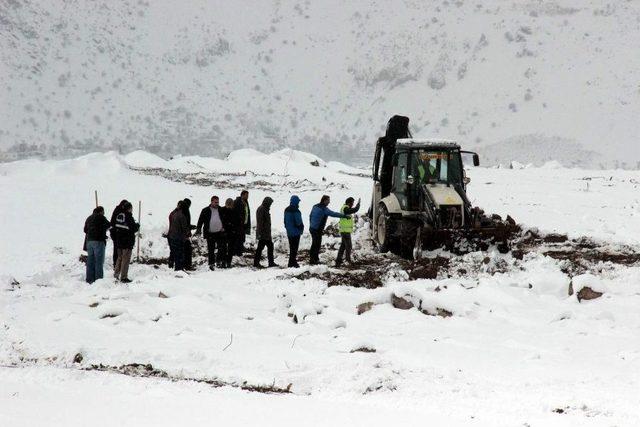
(430,163)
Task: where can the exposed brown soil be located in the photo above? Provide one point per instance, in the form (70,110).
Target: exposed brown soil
(148,371)
(427,268)
(369,279)
(578,255)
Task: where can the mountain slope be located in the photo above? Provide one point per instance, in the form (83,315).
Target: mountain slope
(203,77)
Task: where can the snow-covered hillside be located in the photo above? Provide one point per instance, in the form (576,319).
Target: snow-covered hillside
(490,340)
(206,77)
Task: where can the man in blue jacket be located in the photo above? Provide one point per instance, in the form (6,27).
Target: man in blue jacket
(294,226)
(317,223)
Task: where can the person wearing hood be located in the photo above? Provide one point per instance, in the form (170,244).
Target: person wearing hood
(295,227)
(125,231)
(95,228)
(179,233)
(242,211)
(317,222)
(114,214)
(263,233)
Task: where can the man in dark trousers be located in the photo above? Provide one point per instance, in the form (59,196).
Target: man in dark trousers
(188,248)
(95,228)
(346,228)
(317,223)
(231,223)
(179,232)
(116,211)
(211,224)
(295,227)
(125,231)
(241,207)
(171,254)
(263,233)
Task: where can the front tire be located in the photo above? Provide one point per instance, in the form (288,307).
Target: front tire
(384,229)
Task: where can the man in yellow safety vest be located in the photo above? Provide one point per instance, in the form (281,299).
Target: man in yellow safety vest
(346,228)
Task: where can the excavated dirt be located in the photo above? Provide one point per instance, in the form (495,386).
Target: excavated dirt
(369,279)
(372,270)
(579,255)
(576,256)
(428,268)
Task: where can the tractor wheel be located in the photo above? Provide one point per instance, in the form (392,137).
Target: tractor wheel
(409,239)
(385,228)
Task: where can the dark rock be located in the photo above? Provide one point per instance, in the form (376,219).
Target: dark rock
(587,294)
(162,295)
(364,307)
(94,304)
(78,358)
(401,303)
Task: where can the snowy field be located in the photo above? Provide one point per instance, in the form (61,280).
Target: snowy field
(282,346)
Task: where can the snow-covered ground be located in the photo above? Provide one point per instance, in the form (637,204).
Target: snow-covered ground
(517,349)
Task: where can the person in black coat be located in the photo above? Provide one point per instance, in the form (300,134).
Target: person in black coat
(125,230)
(115,212)
(231,223)
(188,248)
(95,228)
(179,232)
(263,233)
(243,211)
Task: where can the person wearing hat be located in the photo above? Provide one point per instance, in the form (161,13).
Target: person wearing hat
(295,227)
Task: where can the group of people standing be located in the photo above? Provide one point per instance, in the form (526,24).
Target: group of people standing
(223,227)
(122,228)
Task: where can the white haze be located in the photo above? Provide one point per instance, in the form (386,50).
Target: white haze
(528,81)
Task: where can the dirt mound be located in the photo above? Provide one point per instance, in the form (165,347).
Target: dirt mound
(369,279)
